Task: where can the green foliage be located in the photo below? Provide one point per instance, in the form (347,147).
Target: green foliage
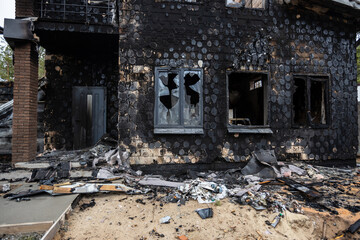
(41,62)
(6,61)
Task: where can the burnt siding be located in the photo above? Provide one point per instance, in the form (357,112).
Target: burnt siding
(6,91)
(216,38)
(65,71)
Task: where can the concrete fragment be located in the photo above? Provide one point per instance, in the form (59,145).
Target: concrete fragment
(80,174)
(285,171)
(30,165)
(252,178)
(75,165)
(6,187)
(297,170)
(105,174)
(318,177)
(239,192)
(17,174)
(159,182)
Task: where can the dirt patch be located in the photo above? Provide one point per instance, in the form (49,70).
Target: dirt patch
(137,217)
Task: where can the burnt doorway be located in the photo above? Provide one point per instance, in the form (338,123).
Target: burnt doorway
(89,115)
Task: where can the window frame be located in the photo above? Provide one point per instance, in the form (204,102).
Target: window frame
(239,5)
(308,77)
(256,129)
(179,128)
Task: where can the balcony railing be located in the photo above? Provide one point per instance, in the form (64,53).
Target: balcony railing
(78,11)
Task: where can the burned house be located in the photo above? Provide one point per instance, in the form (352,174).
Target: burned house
(190,81)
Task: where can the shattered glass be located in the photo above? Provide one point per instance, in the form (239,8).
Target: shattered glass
(192,85)
(169,104)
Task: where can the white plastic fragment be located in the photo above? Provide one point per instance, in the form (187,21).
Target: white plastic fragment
(88,188)
(165,220)
(297,170)
(6,187)
(105,174)
(251,178)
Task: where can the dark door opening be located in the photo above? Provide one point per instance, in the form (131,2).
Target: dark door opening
(89,115)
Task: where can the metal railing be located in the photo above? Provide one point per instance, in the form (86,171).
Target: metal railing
(79,11)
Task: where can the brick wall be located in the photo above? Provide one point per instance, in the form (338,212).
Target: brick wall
(24,8)
(25,103)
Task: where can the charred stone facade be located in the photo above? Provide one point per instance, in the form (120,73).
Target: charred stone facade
(281,41)
(65,71)
(6,91)
(279,77)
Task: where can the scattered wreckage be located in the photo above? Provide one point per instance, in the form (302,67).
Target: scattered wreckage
(264,183)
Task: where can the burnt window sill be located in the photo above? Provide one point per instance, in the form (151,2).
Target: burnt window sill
(178,131)
(250,129)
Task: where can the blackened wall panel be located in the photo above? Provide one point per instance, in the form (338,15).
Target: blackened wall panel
(65,71)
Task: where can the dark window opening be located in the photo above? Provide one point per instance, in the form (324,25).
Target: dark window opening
(310,101)
(299,101)
(317,108)
(247,98)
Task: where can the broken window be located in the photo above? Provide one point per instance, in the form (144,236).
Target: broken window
(178,98)
(310,99)
(247,96)
(246,3)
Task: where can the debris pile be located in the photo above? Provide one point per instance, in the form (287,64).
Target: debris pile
(264,183)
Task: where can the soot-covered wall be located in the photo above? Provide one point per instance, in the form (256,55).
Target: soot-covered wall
(215,38)
(64,71)
(6,91)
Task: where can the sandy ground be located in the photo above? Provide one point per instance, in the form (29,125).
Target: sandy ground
(121,217)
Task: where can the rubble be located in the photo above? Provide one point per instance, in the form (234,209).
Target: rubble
(87,205)
(159,182)
(205,213)
(275,221)
(255,184)
(264,184)
(263,164)
(5,187)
